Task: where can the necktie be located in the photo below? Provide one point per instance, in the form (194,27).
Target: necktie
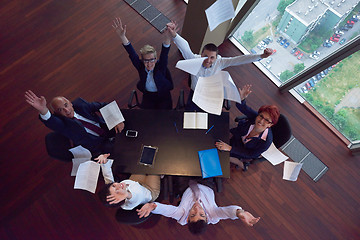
(195,189)
(92,127)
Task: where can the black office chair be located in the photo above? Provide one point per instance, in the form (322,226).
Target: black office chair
(131,99)
(281,134)
(181,101)
(130,217)
(57,146)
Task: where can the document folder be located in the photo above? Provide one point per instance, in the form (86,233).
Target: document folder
(210,163)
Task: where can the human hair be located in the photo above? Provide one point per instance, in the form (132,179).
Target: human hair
(104,192)
(197,227)
(147,49)
(272,110)
(210,47)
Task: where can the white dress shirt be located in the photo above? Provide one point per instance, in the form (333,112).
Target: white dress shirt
(207,197)
(219,64)
(140,195)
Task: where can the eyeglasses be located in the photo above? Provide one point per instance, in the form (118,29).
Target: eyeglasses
(151,60)
(266,120)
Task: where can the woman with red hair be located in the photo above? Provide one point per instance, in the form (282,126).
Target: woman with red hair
(253,135)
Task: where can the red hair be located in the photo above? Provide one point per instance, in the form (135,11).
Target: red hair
(272,110)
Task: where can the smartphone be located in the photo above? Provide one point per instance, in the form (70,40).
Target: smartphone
(131,133)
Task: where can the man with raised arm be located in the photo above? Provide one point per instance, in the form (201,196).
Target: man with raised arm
(198,209)
(77,120)
(213,63)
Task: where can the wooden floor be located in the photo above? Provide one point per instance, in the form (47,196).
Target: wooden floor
(69,48)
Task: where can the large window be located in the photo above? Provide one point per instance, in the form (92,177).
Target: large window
(305,33)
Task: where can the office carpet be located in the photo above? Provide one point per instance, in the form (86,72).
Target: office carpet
(312,166)
(150,13)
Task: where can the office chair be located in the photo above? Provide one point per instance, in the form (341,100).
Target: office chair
(281,134)
(130,217)
(131,99)
(57,146)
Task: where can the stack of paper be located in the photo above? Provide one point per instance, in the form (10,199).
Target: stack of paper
(112,115)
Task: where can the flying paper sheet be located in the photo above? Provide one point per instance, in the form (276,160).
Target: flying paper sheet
(291,170)
(219,12)
(76,164)
(209,94)
(107,172)
(80,152)
(112,115)
(273,155)
(191,66)
(230,90)
(87,176)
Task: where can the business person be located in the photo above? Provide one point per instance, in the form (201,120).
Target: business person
(155,79)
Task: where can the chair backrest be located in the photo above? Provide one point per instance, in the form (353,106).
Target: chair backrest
(130,102)
(57,146)
(130,217)
(281,131)
(181,101)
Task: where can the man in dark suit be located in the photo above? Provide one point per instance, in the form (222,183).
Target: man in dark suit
(76,120)
(155,79)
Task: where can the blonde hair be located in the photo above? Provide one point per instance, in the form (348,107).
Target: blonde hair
(147,49)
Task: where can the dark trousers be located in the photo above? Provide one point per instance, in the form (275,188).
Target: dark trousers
(154,100)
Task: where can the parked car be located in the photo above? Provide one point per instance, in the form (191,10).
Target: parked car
(311,82)
(342,41)
(322,74)
(334,39)
(279,39)
(308,86)
(339,32)
(293,50)
(354,18)
(304,89)
(286,44)
(329,68)
(269,59)
(327,45)
(253,51)
(300,56)
(349,22)
(283,42)
(318,76)
(270,38)
(344,28)
(326,71)
(297,52)
(316,53)
(267,41)
(336,35)
(274,51)
(349,25)
(313,56)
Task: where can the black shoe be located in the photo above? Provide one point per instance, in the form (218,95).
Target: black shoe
(246,166)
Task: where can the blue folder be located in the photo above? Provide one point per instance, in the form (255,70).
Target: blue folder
(210,163)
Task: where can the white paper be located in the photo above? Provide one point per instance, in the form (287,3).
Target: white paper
(231,92)
(273,155)
(291,170)
(107,172)
(195,120)
(219,12)
(209,94)
(80,152)
(87,176)
(112,115)
(76,164)
(191,66)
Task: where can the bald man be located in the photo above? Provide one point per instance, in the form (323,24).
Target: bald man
(76,120)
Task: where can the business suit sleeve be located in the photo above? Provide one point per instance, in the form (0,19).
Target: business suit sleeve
(258,147)
(133,56)
(168,211)
(246,110)
(162,75)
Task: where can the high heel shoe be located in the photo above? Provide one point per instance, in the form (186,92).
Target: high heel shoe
(246,166)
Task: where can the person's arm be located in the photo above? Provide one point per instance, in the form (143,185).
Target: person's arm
(247,217)
(235,212)
(180,42)
(39,103)
(120,30)
(244,59)
(159,208)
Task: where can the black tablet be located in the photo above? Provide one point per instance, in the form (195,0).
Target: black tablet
(148,154)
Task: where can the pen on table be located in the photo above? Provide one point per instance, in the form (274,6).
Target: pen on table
(177,131)
(209,129)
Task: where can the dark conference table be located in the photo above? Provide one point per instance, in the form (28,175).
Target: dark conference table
(178,150)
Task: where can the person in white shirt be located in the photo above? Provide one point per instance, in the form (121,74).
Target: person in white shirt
(138,189)
(213,64)
(198,209)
